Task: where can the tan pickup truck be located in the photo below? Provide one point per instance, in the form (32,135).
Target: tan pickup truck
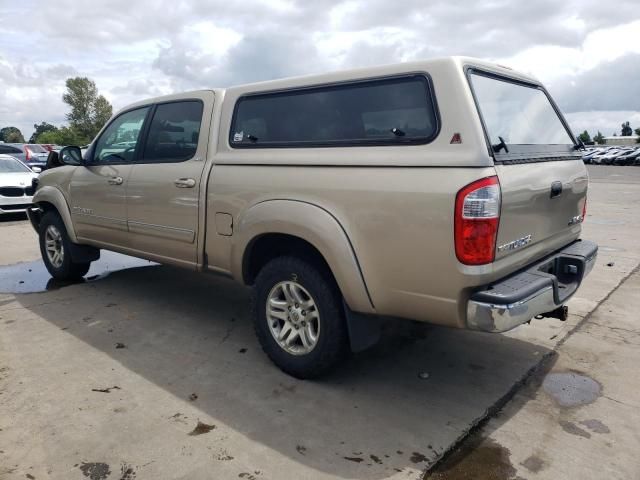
(448,191)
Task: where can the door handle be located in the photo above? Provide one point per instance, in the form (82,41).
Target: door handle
(115,181)
(185,183)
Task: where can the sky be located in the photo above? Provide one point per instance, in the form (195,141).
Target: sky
(587,52)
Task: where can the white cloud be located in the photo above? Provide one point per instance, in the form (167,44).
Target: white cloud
(552,63)
(142,48)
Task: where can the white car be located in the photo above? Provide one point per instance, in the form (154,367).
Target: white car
(16,185)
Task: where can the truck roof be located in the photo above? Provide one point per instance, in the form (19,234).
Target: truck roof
(351,74)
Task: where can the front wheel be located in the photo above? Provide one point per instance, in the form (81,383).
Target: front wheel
(55,247)
(299,317)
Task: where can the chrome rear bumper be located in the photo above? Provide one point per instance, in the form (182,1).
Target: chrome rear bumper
(540,288)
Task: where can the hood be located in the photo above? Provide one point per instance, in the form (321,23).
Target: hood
(17,179)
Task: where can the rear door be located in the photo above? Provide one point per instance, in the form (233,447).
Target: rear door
(163,193)
(542,177)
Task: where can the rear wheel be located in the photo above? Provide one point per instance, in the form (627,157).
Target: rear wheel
(55,247)
(299,318)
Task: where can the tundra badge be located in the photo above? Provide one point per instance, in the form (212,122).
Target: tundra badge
(521,242)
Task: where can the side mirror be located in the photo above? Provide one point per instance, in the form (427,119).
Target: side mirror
(70,156)
(36,169)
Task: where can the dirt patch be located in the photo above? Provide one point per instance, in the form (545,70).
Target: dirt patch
(533,464)
(201,428)
(249,476)
(223,456)
(127,472)
(95,471)
(417,457)
(354,459)
(105,390)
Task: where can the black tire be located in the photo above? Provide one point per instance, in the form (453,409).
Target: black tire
(332,340)
(68,270)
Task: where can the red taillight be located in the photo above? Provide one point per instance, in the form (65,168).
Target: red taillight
(584,209)
(477,216)
(28,153)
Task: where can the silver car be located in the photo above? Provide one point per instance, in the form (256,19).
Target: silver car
(16,185)
(33,155)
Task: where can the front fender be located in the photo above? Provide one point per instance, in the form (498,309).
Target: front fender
(314,225)
(53,196)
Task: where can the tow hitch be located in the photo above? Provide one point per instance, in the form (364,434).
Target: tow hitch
(561,313)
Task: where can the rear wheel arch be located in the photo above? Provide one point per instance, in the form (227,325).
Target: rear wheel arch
(277,226)
(268,246)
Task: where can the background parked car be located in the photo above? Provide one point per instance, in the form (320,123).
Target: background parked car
(629,155)
(6,149)
(627,158)
(16,185)
(31,154)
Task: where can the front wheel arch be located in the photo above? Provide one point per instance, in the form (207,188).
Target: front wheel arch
(49,198)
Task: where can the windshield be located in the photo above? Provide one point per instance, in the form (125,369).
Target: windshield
(36,148)
(518,113)
(11,165)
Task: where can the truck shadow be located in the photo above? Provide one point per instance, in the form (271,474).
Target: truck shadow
(400,404)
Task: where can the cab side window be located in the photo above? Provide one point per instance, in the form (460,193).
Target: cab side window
(174,132)
(120,140)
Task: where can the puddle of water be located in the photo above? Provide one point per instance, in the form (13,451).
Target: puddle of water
(573,429)
(32,277)
(595,426)
(570,389)
(480,459)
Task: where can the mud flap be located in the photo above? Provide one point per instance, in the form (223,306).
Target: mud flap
(364,330)
(84,253)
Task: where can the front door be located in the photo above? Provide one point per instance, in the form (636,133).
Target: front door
(98,189)
(163,192)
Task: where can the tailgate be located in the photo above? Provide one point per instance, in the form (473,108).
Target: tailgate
(542,178)
(542,202)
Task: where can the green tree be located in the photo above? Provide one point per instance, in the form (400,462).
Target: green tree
(626,129)
(11,135)
(89,110)
(599,138)
(39,129)
(585,137)
(61,136)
